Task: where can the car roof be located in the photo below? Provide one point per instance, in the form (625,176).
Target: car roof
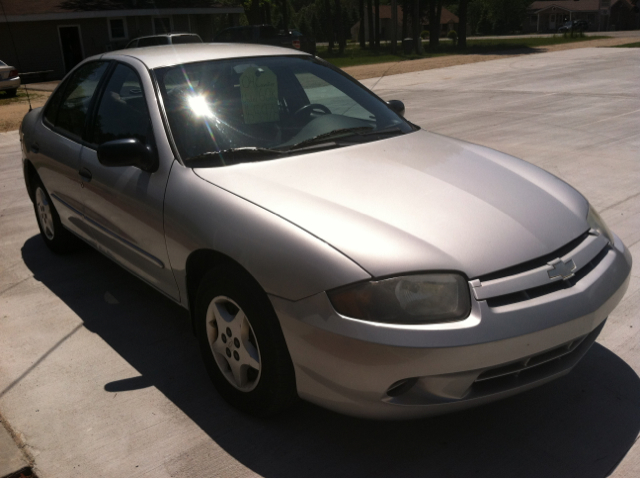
(167,55)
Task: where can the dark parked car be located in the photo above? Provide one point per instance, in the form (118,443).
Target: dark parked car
(165,39)
(574,25)
(266,35)
(302,42)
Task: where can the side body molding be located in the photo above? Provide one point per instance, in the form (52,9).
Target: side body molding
(287,261)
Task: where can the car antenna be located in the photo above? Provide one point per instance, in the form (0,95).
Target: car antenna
(15,50)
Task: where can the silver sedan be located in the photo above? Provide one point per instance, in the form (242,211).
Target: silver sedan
(326,247)
(9,79)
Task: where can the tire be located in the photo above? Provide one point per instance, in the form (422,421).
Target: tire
(57,238)
(11,92)
(250,367)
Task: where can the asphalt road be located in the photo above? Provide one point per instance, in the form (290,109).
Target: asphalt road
(100,375)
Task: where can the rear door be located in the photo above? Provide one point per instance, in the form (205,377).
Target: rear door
(55,145)
(123,206)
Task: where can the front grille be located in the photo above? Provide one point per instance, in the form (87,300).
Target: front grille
(536,263)
(548,288)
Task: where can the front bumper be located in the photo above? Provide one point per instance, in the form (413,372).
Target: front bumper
(9,84)
(402,371)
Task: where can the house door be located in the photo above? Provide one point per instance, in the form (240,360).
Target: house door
(71,46)
(552,22)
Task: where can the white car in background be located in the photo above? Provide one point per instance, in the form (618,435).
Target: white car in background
(9,79)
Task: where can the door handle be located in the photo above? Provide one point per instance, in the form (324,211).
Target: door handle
(85,174)
(35,147)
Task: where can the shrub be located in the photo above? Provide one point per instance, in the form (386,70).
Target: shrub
(453,35)
(425,35)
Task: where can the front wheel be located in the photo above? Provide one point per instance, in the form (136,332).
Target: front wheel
(242,344)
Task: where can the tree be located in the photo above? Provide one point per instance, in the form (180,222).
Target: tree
(370,24)
(417,27)
(435,14)
(339,22)
(405,18)
(462,25)
(328,23)
(377,24)
(394,26)
(361,38)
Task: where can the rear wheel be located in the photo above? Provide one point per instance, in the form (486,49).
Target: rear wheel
(242,344)
(12,92)
(55,236)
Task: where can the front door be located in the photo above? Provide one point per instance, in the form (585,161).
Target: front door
(123,205)
(552,22)
(71,46)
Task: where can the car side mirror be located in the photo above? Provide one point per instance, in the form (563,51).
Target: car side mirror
(128,152)
(397,106)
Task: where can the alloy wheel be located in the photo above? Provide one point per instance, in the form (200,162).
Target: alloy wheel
(233,343)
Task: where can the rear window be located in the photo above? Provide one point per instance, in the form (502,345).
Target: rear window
(185,39)
(152,41)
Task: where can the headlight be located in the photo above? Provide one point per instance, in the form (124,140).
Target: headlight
(598,224)
(424,298)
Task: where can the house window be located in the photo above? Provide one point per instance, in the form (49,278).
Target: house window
(117,29)
(162,25)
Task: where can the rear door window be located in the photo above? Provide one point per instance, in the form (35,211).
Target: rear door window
(68,112)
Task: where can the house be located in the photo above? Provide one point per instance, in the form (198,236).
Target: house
(448,22)
(55,35)
(602,15)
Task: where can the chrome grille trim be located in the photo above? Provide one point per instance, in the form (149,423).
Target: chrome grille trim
(581,256)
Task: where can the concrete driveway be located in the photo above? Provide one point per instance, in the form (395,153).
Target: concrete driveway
(100,375)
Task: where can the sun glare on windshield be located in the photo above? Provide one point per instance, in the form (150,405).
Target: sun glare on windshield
(199,106)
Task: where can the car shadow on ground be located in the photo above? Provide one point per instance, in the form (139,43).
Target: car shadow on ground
(580,425)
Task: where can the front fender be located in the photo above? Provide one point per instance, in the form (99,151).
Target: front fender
(285,260)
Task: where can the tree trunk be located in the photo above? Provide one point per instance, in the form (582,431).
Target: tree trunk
(394,26)
(438,19)
(462,26)
(405,19)
(372,43)
(328,24)
(434,25)
(341,37)
(285,15)
(417,27)
(376,19)
(254,13)
(361,38)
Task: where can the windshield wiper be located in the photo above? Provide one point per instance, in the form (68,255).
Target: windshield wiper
(231,156)
(329,135)
(384,131)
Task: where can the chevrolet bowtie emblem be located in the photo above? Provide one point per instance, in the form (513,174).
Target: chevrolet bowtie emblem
(562,269)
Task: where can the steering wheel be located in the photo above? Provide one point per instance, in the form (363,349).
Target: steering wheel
(312,107)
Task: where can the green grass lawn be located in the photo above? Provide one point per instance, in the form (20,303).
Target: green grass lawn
(20,96)
(629,45)
(353,55)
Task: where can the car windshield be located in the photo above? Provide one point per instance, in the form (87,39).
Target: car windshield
(2,64)
(267,106)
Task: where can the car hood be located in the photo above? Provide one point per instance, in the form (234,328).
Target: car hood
(416,202)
